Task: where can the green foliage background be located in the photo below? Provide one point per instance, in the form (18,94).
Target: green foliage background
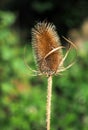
(23,97)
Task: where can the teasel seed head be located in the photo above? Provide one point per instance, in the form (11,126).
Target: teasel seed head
(47,48)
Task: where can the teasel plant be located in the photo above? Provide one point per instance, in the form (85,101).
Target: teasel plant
(49,58)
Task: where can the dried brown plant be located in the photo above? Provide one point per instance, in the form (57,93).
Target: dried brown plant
(48,55)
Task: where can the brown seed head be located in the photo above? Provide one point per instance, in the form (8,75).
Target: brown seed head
(44,40)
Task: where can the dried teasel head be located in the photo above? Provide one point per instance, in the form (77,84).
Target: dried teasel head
(47,48)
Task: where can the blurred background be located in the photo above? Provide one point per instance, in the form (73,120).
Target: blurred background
(22,96)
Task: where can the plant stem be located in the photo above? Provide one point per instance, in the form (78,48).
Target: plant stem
(48,107)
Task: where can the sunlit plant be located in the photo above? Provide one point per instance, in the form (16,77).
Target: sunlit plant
(49,58)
